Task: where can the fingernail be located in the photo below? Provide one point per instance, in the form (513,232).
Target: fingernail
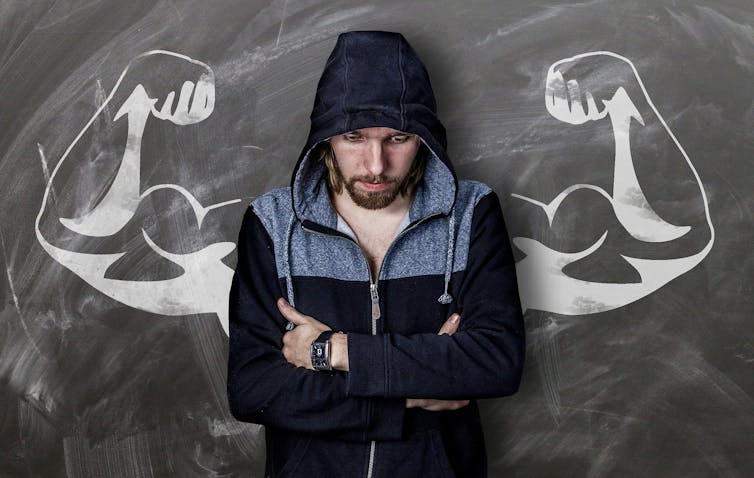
(454,319)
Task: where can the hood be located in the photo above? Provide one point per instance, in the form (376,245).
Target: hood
(374,79)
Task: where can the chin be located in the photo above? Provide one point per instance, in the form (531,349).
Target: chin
(374,201)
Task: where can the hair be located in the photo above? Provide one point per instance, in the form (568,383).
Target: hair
(415,174)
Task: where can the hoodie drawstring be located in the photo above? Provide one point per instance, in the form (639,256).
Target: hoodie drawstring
(287,267)
(446,298)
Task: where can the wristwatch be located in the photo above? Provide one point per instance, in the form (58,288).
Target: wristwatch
(320,351)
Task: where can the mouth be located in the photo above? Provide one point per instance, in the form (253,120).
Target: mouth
(374,186)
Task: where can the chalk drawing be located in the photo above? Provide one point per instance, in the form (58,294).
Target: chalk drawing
(543,285)
(205,281)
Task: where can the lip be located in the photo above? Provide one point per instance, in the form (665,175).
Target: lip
(374,187)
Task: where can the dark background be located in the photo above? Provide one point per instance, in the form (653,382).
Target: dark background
(90,387)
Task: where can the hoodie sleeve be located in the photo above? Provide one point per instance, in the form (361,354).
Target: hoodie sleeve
(483,359)
(262,386)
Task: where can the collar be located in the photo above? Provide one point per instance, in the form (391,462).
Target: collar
(343,226)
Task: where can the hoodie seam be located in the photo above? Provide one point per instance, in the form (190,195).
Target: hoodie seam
(385,354)
(482,194)
(403,87)
(368,418)
(345,84)
(268,227)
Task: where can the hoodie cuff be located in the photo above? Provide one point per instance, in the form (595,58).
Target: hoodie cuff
(367,366)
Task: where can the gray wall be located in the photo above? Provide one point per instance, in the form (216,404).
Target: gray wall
(646,379)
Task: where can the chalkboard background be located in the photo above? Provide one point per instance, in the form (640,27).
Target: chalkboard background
(91,386)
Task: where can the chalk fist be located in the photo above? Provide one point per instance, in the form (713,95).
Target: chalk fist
(582,88)
(171,87)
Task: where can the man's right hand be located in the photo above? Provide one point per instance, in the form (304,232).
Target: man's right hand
(435,405)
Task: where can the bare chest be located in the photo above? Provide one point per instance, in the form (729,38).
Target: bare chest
(375,242)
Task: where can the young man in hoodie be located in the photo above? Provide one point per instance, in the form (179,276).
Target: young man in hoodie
(345,278)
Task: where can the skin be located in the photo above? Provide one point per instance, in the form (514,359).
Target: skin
(372,163)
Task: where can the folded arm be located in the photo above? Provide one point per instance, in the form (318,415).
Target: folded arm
(262,386)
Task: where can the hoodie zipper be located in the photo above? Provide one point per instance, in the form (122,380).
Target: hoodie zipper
(375,299)
(377,314)
(375,306)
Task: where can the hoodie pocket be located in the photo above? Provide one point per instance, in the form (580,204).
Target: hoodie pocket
(438,450)
(294,458)
(323,457)
(420,455)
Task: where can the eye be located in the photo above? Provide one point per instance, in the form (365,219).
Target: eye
(352,137)
(400,138)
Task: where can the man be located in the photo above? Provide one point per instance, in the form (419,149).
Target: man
(377,247)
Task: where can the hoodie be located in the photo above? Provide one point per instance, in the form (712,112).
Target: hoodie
(453,255)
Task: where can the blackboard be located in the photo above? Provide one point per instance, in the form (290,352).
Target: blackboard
(632,226)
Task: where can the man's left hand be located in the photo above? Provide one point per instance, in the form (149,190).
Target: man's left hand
(297,342)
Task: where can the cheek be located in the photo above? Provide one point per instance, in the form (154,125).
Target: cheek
(346,152)
(348,168)
(403,159)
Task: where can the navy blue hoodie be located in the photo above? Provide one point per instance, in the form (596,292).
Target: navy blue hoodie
(453,256)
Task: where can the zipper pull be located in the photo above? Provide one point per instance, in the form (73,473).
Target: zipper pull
(375,301)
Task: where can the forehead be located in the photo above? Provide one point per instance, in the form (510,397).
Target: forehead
(377,132)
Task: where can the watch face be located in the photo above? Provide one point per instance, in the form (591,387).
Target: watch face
(319,356)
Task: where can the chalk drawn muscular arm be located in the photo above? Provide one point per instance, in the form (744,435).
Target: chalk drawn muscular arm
(202,288)
(592,97)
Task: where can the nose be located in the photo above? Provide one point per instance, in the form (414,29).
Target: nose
(375,160)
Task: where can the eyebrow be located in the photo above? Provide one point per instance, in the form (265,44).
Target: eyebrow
(397,133)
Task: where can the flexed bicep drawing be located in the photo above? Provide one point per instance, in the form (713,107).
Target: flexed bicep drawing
(587,89)
(184,99)
(591,89)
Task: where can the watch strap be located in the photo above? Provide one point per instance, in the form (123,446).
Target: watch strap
(324,336)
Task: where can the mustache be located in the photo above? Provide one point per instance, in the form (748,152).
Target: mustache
(379,179)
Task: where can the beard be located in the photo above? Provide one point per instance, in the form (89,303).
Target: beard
(371,199)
